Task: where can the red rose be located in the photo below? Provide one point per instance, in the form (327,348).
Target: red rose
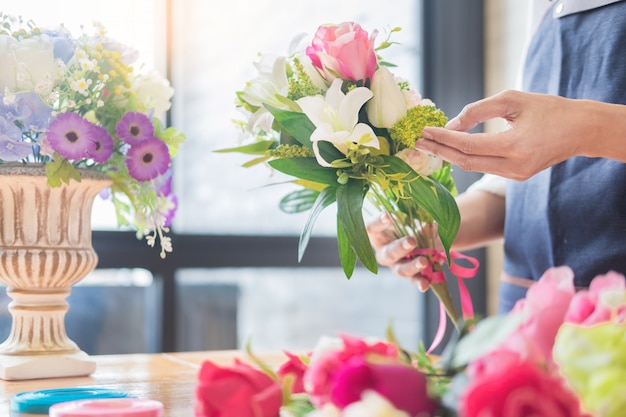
(295,367)
(518,389)
(237,391)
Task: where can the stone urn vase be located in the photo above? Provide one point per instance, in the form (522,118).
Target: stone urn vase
(45,248)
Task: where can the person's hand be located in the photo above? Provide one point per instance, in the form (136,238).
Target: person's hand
(394,252)
(544,130)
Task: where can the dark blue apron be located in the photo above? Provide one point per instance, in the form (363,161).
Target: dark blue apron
(574,213)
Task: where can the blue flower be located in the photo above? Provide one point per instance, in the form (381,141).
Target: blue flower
(28,109)
(13,150)
(62,43)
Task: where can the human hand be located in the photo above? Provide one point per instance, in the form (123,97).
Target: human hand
(543,131)
(395,253)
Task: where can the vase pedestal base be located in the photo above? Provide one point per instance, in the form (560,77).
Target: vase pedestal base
(15,368)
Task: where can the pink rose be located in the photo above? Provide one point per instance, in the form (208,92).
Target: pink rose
(318,378)
(237,391)
(508,387)
(587,307)
(402,385)
(543,311)
(344,50)
(294,367)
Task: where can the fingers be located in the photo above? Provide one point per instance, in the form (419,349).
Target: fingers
(444,142)
(480,111)
(413,269)
(380,231)
(395,253)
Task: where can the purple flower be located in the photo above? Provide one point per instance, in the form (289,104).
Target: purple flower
(104,145)
(163,185)
(28,109)
(10,129)
(72,136)
(148,159)
(12,150)
(134,127)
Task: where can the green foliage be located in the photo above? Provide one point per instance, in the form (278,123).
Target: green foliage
(350,219)
(324,199)
(60,171)
(296,124)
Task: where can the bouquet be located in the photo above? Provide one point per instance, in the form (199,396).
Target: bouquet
(334,117)
(559,353)
(78,102)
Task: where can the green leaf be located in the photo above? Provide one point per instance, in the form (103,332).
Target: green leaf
(487,335)
(350,216)
(430,196)
(298,201)
(60,170)
(324,199)
(328,152)
(346,253)
(296,124)
(306,169)
(256,148)
(255,161)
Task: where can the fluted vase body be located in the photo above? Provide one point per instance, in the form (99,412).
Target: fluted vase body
(45,248)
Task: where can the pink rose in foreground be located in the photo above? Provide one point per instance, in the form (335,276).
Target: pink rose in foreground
(318,378)
(237,391)
(295,367)
(344,50)
(513,388)
(543,311)
(587,307)
(402,385)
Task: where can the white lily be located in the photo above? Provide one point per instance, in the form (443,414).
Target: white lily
(336,119)
(270,83)
(389,103)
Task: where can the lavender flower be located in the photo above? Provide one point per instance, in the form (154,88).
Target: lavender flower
(104,145)
(134,127)
(72,136)
(148,159)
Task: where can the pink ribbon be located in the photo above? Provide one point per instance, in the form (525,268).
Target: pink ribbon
(461,273)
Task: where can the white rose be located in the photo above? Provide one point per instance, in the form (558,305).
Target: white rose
(154,91)
(7,69)
(35,65)
(421,162)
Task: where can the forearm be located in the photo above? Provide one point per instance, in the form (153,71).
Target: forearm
(603,129)
(482,219)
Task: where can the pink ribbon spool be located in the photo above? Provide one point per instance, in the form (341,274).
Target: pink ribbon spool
(108,407)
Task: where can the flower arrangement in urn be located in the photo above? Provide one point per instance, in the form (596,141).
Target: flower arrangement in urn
(73,103)
(332,114)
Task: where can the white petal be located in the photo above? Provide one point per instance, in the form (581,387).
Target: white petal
(361,130)
(334,95)
(315,109)
(348,112)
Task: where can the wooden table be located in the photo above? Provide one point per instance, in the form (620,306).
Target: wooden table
(166,377)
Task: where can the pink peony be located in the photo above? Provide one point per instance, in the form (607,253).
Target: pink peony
(321,372)
(402,385)
(587,307)
(237,391)
(543,311)
(344,50)
(506,386)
